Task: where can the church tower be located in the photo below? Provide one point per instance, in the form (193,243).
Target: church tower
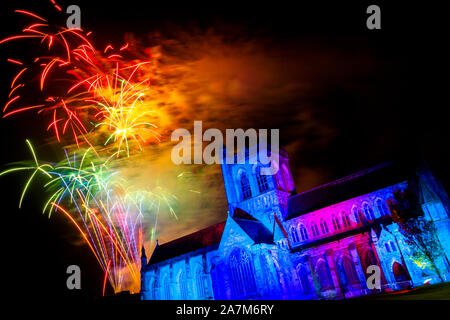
(262,196)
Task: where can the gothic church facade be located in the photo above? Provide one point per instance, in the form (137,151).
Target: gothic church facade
(318,244)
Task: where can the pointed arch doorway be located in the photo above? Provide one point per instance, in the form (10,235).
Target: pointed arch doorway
(401,275)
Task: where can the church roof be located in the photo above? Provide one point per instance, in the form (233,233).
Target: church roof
(352,186)
(200,239)
(242,214)
(254,228)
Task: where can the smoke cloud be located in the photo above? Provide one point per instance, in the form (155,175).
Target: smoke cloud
(229,79)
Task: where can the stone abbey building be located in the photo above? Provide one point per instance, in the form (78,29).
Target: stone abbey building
(314,245)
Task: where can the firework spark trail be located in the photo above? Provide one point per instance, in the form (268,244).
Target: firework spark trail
(104,103)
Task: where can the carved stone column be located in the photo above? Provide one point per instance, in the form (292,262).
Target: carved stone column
(334,275)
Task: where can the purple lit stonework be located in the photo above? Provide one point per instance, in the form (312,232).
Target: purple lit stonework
(318,244)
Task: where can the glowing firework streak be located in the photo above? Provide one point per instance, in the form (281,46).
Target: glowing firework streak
(106,277)
(107,213)
(99,110)
(92,103)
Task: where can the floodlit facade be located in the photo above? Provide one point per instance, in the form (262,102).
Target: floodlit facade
(318,244)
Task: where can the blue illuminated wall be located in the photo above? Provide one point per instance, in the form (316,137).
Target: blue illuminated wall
(265,252)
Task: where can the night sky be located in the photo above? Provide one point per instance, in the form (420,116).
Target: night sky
(344,97)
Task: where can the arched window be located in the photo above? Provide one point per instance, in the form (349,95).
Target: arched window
(245,186)
(242,274)
(294,235)
(155,290)
(393,246)
(314,229)
(200,284)
(304,281)
(322,274)
(346,271)
(323,226)
(345,219)
(336,224)
(167,295)
(368,212)
(388,249)
(303,233)
(350,270)
(182,283)
(262,180)
(355,214)
(381,207)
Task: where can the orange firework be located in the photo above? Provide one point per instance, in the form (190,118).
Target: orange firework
(102,100)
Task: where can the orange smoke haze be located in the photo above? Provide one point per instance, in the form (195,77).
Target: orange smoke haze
(229,81)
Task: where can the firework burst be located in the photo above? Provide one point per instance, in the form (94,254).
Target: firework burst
(99,111)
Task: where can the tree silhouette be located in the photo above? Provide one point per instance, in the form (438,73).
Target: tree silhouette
(418,232)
